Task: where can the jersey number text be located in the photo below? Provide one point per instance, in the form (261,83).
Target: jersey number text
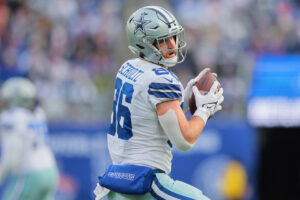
(121,116)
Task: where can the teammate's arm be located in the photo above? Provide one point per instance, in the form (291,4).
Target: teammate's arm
(12,152)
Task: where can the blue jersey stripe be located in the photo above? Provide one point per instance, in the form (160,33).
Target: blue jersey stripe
(169,192)
(165,86)
(170,95)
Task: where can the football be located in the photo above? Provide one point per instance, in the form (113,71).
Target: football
(203,84)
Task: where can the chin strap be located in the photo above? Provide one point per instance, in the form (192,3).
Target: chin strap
(170,62)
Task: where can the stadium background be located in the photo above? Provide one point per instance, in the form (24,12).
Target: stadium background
(71,50)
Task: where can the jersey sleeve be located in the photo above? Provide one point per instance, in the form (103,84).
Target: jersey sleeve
(164,88)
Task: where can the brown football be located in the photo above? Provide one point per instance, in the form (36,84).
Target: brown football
(203,84)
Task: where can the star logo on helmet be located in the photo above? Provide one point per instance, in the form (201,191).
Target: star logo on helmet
(140,24)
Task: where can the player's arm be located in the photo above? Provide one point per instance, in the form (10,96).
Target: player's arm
(183,133)
(190,130)
(12,152)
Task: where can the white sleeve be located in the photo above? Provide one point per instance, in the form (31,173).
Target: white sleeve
(170,125)
(164,88)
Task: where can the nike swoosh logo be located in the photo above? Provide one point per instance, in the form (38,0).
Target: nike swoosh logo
(209,105)
(170,80)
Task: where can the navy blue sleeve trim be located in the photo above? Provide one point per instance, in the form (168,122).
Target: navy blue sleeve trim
(165,90)
(164,86)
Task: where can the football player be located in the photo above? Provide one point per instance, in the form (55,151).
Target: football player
(25,155)
(148,113)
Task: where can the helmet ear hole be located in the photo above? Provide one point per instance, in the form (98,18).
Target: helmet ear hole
(155,44)
(142,55)
(139,46)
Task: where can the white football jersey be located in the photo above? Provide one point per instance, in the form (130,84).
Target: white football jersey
(22,135)
(135,135)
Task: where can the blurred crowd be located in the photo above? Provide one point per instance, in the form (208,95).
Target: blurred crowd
(71,49)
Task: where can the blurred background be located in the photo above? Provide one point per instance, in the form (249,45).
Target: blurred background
(72,49)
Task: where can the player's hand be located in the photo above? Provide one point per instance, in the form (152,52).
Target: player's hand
(210,103)
(188,88)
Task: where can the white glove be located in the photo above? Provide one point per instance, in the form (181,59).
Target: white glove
(188,88)
(209,104)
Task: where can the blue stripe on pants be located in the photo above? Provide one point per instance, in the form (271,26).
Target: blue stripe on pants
(164,187)
(168,192)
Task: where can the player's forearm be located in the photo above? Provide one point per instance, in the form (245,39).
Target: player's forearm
(171,116)
(192,129)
